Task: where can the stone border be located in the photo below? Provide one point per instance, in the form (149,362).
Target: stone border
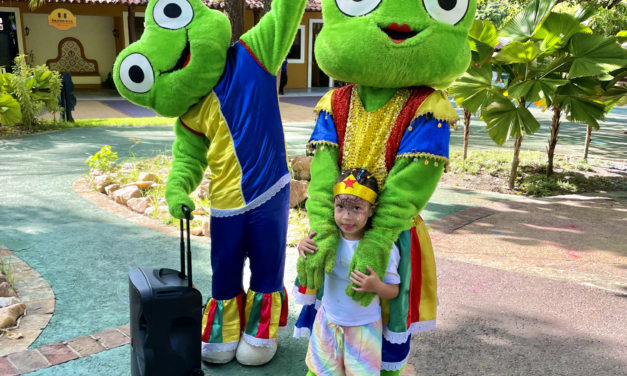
(85,189)
(37,295)
(57,353)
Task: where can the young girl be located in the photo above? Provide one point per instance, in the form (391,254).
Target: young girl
(347,337)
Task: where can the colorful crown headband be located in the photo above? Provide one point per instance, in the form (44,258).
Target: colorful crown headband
(351,186)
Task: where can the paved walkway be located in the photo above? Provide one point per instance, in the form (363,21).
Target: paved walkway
(491,321)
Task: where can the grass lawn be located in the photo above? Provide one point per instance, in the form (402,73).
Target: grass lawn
(46,126)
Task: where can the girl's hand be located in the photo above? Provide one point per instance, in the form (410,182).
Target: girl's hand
(366,283)
(307,245)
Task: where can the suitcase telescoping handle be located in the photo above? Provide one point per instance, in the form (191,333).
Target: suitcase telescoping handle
(188,215)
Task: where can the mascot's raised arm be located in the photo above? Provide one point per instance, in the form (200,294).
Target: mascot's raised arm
(393,122)
(225,99)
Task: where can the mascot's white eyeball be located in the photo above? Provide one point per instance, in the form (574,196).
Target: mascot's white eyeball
(173,14)
(448,11)
(356,8)
(136,73)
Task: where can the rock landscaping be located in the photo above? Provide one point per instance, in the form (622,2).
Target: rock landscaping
(140,186)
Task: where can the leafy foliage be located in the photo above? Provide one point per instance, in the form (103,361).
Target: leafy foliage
(33,89)
(102,160)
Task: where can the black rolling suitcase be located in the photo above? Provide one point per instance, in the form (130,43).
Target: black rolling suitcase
(166,319)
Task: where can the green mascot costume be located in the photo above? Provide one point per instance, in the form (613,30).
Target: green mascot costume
(225,98)
(394,122)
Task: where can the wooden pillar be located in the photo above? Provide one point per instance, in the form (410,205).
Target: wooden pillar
(256,16)
(132,35)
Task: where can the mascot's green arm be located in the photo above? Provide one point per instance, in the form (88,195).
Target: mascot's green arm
(321,213)
(273,37)
(188,169)
(405,193)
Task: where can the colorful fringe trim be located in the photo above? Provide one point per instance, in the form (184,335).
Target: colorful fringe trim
(265,314)
(259,316)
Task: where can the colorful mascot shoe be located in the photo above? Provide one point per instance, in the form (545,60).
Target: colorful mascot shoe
(217,357)
(250,355)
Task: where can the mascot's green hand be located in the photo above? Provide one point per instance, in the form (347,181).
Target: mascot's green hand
(371,253)
(321,213)
(176,198)
(311,270)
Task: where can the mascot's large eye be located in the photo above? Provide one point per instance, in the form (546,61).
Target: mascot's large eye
(355,8)
(173,14)
(136,73)
(449,11)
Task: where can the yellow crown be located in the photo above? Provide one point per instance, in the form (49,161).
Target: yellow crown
(350,186)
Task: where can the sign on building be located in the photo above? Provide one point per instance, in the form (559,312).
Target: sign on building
(62,19)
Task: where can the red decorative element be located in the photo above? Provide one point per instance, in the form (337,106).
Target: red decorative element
(302,289)
(189,57)
(402,28)
(341,105)
(403,121)
(349,183)
(241,306)
(415,284)
(191,130)
(212,312)
(284,307)
(266,314)
(253,55)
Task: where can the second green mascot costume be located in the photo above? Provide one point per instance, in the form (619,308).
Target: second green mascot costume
(393,122)
(225,98)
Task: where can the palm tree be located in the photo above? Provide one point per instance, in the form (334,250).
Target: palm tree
(550,59)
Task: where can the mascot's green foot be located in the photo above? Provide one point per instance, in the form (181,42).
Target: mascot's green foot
(250,355)
(218,357)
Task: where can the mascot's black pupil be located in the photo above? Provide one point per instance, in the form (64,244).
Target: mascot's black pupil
(136,74)
(447,4)
(172,11)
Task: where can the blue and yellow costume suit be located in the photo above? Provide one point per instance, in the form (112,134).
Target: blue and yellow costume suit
(249,202)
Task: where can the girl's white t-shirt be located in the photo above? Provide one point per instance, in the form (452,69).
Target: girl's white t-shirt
(340,308)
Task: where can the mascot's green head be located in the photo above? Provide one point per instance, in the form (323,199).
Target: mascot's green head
(395,43)
(179,58)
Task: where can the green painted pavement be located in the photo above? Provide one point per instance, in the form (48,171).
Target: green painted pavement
(85,252)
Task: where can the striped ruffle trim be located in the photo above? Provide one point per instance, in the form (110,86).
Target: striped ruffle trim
(260,316)
(416,327)
(305,299)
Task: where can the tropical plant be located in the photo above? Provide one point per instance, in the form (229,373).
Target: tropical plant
(102,160)
(551,59)
(25,92)
(472,90)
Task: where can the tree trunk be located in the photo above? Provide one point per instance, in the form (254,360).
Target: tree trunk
(132,35)
(555,130)
(257,16)
(515,162)
(267,5)
(467,116)
(588,139)
(235,11)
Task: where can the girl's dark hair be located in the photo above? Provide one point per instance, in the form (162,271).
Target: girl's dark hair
(362,175)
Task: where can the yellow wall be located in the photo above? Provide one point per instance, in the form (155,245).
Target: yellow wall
(95,34)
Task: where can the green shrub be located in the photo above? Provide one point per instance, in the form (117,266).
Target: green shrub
(541,186)
(26,92)
(102,160)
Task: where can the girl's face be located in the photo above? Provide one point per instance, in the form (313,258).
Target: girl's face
(351,215)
